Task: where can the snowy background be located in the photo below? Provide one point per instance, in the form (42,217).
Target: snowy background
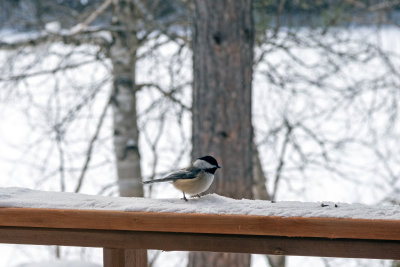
(355,173)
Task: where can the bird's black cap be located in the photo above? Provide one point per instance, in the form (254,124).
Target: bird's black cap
(210,160)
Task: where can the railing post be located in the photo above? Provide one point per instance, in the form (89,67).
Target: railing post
(115,257)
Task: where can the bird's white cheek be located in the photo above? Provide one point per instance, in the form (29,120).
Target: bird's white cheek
(208,181)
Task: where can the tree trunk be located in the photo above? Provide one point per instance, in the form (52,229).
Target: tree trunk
(223,59)
(126,133)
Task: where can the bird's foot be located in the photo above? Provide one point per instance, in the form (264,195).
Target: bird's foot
(327,205)
(184,197)
(198,196)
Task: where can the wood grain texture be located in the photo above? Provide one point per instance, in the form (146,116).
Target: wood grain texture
(114,257)
(133,240)
(135,257)
(202,223)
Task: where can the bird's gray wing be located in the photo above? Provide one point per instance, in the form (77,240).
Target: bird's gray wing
(188,173)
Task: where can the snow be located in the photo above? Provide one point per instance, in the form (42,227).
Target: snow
(209,204)
(318,185)
(53,27)
(59,263)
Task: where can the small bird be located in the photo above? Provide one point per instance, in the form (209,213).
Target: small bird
(194,179)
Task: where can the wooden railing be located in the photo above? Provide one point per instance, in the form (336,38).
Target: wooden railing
(125,236)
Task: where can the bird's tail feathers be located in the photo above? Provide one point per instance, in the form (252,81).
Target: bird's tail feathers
(158,180)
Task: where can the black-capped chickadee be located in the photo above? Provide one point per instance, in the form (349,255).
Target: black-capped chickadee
(193,180)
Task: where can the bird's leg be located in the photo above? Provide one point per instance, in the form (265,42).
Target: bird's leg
(184,197)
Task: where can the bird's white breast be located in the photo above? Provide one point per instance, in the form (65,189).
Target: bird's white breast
(195,186)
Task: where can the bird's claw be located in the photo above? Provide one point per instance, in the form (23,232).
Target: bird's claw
(326,205)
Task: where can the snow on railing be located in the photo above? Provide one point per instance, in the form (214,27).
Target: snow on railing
(126,227)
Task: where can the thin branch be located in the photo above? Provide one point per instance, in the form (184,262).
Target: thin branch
(61,166)
(91,146)
(83,26)
(169,95)
(148,16)
(278,18)
(282,156)
(259,178)
(84,37)
(45,72)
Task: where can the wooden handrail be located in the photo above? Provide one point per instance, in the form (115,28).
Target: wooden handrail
(126,235)
(27,218)
(202,223)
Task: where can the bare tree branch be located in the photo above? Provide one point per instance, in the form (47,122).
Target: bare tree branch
(83,26)
(282,156)
(91,146)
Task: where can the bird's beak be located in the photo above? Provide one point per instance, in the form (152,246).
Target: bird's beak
(218,167)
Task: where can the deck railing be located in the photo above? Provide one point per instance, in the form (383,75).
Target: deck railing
(125,236)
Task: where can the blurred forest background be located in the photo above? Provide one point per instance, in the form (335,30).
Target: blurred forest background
(96,95)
